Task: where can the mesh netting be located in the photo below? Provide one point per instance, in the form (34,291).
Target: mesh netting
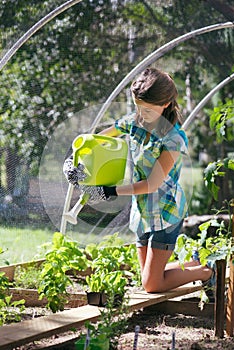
(52,89)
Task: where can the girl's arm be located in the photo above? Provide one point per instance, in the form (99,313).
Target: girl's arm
(160,170)
(111,131)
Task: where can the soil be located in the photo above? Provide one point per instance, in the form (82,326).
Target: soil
(191,333)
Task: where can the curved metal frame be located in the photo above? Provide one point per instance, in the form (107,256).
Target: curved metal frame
(202,103)
(152,58)
(34,29)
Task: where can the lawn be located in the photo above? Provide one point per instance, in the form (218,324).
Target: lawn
(21,244)
(25,244)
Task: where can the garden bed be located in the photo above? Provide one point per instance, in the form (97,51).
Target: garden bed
(191,332)
(31,298)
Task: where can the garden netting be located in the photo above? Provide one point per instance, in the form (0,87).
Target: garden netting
(52,89)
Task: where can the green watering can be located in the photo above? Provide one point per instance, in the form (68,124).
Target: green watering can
(103,157)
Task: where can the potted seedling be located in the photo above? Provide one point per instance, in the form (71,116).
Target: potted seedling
(96,288)
(101,284)
(111,270)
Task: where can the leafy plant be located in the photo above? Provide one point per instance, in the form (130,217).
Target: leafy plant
(109,282)
(222,122)
(110,325)
(212,248)
(214,170)
(112,255)
(64,255)
(9,311)
(27,277)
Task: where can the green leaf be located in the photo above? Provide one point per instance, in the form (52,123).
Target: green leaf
(204,226)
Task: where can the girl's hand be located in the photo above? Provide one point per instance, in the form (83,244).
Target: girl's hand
(73,174)
(99,193)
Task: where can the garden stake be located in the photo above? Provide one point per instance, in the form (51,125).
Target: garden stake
(173,341)
(137,329)
(87,340)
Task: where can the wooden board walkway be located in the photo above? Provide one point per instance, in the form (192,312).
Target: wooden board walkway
(22,333)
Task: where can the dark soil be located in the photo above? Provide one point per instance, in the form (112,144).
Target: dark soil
(191,333)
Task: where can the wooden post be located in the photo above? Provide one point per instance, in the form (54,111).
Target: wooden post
(220,298)
(230,295)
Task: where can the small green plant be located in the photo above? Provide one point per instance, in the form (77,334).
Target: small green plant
(222,122)
(27,277)
(65,255)
(214,170)
(110,325)
(112,255)
(109,282)
(9,311)
(216,247)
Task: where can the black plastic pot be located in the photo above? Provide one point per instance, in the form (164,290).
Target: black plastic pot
(97,298)
(101,298)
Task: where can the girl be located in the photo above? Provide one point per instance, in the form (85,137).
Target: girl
(156,143)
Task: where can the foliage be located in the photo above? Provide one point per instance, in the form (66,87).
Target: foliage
(111,325)
(9,311)
(216,247)
(64,255)
(113,255)
(222,121)
(212,171)
(112,268)
(107,281)
(113,265)
(27,277)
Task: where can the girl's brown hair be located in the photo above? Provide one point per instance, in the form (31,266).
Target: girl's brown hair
(158,88)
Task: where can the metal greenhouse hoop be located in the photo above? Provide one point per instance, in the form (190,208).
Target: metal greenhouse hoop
(34,29)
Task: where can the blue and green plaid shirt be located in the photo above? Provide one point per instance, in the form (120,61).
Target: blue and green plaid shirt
(167,206)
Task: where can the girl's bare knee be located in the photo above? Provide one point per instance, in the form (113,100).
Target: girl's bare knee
(151,287)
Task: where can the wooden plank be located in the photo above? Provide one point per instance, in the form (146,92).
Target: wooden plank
(10,269)
(18,334)
(230,302)
(184,307)
(142,299)
(230,294)
(220,298)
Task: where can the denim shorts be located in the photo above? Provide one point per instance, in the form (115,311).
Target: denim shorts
(162,239)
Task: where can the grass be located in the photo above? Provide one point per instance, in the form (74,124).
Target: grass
(26,244)
(21,244)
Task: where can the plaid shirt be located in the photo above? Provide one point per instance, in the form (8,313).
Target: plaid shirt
(166,206)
